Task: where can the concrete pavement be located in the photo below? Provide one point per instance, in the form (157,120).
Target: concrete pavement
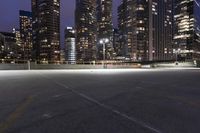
(100,101)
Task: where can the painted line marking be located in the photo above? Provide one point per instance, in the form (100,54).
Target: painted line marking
(47,116)
(57,96)
(134,120)
(12,118)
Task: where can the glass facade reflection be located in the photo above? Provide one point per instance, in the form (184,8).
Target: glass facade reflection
(86,29)
(187,28)
(46,30)
(70,45)
(146,29)
(26,33)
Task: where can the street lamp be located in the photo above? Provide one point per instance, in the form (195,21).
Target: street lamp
(103,42)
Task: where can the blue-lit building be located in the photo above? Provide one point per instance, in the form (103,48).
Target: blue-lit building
(187,29)
(70,45)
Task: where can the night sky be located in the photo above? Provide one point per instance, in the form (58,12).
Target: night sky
(9,13)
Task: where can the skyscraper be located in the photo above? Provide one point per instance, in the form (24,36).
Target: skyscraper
(70,45)
(46,30)
(160,30)
(20,50)
(104,28)
(146,29)
(85,26)
(2,47)
(187,28)
(133,28)
(10,50)
(116,43)
(26,33)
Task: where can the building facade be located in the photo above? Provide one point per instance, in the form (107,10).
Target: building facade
(2,47)
(62,56)
(146,29)
(46,30)
(86,28)
(187,29)
(116,43)
(10,51)
(133,28)
(161,30)
(26,33)
(19,44)
(70,45)
(104,28)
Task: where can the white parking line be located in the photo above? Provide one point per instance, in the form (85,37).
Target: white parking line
(102,105)
(57,96)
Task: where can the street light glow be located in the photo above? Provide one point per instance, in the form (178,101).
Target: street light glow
(101,41)
(104,40)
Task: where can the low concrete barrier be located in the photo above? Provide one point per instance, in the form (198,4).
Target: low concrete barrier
(13,66)
(175,64)
(34,66)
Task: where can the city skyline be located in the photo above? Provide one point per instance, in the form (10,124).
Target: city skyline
(145,29)
(11,19)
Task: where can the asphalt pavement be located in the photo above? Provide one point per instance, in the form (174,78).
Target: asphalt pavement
(100,101)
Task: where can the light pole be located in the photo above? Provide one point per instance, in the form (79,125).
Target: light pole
(103,42)
(177,53)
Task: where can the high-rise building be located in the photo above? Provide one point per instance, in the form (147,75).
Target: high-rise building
(26,33)
(146,29)
(62,56)
(116,43)
(133,26)
(17,36)
(187,28)
(9,48)
(70,45)
(2,47)
(46,30)
(104,28)
(160,30)
(20,49)
(86,27)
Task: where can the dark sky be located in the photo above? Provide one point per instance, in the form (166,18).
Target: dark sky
(9,13)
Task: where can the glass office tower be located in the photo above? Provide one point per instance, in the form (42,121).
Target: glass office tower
(46,30)
(26,33)
(86,29)
(146,29)
(187,29)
